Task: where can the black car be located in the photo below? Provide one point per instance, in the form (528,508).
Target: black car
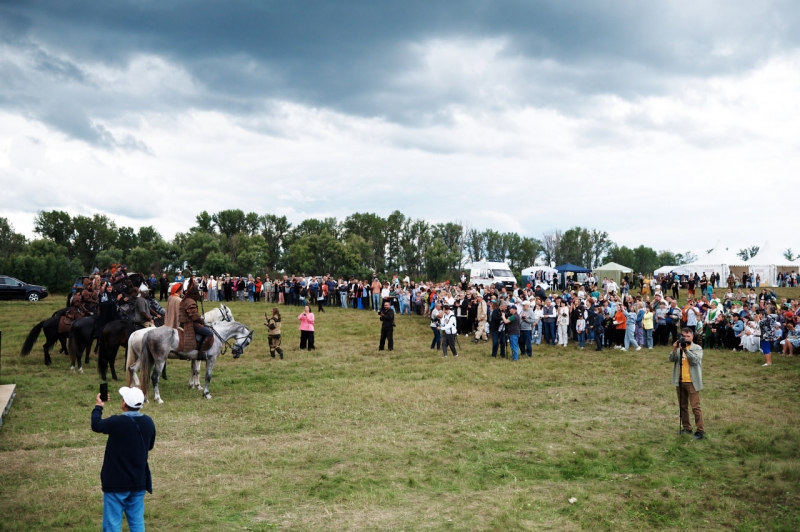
(11,288)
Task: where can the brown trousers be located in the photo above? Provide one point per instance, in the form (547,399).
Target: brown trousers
(687,395)
(274,343)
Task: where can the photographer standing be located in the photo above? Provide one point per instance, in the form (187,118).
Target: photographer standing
(307,329)
(449,329)
(125,474)
(386,315)
(687,376)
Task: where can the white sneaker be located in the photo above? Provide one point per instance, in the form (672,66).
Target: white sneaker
(617,347)
(765,365)
(622,349)
(639,348)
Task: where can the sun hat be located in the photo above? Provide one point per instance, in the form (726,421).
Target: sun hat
(133,397)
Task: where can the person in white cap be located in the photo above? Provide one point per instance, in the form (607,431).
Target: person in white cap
(125,474)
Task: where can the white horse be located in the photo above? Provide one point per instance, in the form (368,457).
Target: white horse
(162,343)
(134,353)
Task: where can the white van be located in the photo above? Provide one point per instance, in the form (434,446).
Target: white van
(488,272)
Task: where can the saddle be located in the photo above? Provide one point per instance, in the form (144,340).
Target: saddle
(67,320)
(189,342)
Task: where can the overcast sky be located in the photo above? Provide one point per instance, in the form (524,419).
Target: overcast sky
(669,124)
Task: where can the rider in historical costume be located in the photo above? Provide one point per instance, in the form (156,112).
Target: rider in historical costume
(78,307)
(173,306)
(141,309)
(191,320)
(107,309)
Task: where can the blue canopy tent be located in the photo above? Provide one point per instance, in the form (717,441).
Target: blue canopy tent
(579,271)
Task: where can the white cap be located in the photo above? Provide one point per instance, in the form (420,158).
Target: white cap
(133,397)
(143,288)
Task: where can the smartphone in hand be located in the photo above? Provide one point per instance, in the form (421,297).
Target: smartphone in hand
(104,392)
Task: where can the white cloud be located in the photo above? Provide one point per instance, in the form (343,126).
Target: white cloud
(674,171)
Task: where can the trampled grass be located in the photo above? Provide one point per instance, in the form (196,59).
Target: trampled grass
(346,438)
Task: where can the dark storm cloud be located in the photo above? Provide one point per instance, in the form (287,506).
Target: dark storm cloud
(353,56)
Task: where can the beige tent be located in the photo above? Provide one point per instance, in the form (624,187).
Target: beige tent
(612,270)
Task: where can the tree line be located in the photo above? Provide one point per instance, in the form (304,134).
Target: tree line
(239,243)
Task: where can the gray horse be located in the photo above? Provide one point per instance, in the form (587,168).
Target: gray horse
(162,343)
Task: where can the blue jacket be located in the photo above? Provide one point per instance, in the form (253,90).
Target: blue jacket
(130,437)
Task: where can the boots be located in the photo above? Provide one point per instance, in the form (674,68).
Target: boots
(201,355)
(280,352)
(272,354)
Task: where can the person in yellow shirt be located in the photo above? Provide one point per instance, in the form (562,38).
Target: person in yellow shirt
(687,376)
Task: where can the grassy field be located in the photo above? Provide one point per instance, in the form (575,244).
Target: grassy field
(346,438)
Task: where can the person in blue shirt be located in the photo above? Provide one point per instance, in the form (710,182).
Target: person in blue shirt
(125,474)
(179,278)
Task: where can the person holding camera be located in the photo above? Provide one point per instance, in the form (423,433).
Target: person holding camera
(449,327)
(125,474)
(307,329)
(386,315)
(687,376)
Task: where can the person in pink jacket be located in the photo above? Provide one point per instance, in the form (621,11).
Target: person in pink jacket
(306,329)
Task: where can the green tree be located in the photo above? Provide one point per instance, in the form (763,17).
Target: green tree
(748,253)
(205,223)
(372,228)
(56,226)
(10,241)
(230,222)
(107,257)
(275,229)
(93,235)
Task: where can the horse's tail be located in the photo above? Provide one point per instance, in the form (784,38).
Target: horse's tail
(72,348)
(30,341)
(129,355)
(144,368)
(102,355)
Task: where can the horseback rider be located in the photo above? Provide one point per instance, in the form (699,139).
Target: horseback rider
(190,319)
(173,306)
(141,309)
(107,309)
(77,307)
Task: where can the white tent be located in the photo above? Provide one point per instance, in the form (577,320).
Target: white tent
(529,274)
(678,270)
(768,262)
(718,260)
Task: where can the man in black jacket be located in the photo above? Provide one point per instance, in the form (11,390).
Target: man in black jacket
(163,288)
(125,474)
(387,325)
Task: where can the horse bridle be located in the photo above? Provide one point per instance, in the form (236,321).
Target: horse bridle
(237,348)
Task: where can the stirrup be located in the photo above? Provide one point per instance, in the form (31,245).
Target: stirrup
(201,355)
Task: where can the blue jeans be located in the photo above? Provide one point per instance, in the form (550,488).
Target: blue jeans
(513,340)
(437,338)
(590,335)
(499,338)
(537,337)
(343,296)
(130,502)
(404,308)
(581,339)
(250,297)
(550,332)
(649,335)
(525,336)
(376,302)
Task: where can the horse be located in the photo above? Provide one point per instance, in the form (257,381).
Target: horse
(51,334)
(81,336)
(162,343)
(132,340)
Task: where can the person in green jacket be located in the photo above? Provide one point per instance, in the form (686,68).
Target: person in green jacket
(687,376)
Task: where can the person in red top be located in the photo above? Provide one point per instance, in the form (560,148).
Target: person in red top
(620,323)
(258,289)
